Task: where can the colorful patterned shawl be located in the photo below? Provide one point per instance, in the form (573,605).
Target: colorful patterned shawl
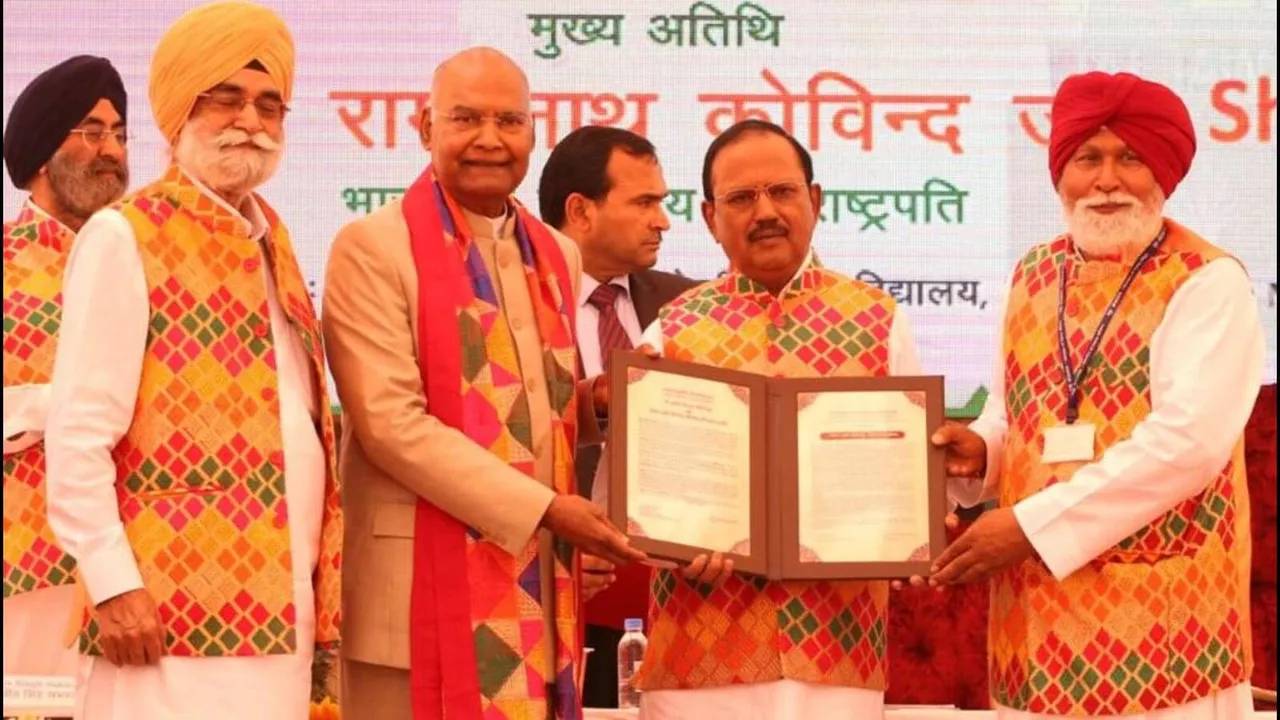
(478,650)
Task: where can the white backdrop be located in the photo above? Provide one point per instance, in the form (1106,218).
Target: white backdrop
(926,118)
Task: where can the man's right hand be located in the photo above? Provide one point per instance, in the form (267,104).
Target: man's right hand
(966,450)
(130,630)
(582,523)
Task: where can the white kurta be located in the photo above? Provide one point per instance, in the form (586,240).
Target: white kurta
(588,322)
(778,699)
(1207,356)
(96,375)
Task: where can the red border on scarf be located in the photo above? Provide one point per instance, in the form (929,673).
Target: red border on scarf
(443,664)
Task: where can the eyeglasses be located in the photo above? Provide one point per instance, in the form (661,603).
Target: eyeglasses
(780,193)
(228,102)
(94,137)
(506,122)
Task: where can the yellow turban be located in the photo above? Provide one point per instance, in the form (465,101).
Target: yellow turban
(208,45)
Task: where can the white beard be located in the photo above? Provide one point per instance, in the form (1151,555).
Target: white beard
(1122,233)
(224,162)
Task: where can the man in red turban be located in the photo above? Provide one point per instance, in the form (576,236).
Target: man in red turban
(1119,555)
(1147,116)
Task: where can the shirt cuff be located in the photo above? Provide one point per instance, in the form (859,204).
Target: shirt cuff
(1040,517)
(978,491)
(963,492)
(14,444)
(110,571)
(26,409)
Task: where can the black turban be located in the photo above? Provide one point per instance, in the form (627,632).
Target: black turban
(51,107)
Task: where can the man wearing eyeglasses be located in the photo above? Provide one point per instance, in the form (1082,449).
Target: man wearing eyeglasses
(191,466)
(448,317)
(722,645)
(65,144)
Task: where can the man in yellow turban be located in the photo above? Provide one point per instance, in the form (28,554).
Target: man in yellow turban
(190,446)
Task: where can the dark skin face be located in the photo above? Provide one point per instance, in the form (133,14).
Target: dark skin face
(763,213)
(621,233)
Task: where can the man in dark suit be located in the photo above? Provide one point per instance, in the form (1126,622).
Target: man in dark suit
(603,188)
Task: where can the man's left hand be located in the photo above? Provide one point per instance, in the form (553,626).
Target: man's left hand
(711,570)
(991,544)
(600,383)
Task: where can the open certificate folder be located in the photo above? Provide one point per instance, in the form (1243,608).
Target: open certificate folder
(795,479)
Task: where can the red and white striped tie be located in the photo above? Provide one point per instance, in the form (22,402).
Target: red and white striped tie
(612,334)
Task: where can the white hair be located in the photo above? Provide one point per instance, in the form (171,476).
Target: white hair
(1124,232)
(231,161)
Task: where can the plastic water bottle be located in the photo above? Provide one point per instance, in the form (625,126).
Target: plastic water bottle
(630,656)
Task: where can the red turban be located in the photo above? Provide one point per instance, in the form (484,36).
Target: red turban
(1147,116)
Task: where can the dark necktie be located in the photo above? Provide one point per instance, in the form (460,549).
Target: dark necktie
(612,334)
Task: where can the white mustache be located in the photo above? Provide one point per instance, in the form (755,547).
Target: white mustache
(232,138)
(1115,198)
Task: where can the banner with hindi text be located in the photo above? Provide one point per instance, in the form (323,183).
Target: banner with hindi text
(927,120)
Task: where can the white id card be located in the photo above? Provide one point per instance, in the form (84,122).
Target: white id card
(1068,443)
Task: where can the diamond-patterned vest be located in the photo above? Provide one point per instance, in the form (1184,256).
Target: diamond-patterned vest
(1161,619)
(200,474)
(752,630)
(35,254)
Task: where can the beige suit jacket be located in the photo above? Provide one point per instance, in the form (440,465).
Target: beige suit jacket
(393,452)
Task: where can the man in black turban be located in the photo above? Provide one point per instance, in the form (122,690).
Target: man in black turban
(64,142)
(65,139)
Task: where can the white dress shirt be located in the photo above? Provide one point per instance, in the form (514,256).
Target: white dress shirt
(106,313)
(588,326)
(589,322)
(26,408)
(1207,357)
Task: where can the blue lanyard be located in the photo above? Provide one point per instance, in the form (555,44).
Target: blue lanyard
(1075,378)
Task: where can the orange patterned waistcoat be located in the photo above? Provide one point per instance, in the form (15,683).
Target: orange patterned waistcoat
(1161,619)
(35,254)
(752,630)
(200,474)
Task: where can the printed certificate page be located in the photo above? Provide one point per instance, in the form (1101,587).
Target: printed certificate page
(862,476)
(688,460)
